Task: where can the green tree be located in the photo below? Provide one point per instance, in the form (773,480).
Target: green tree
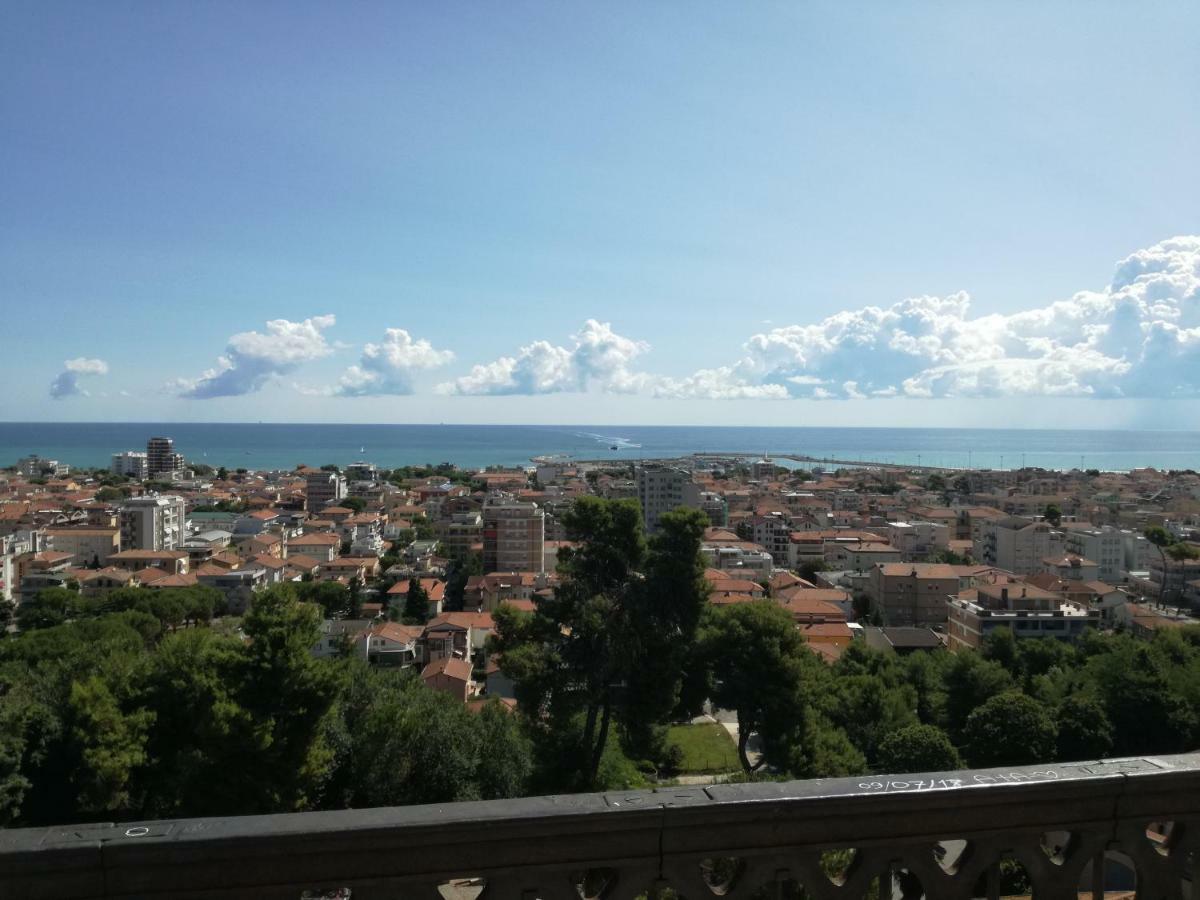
(1010,729)
(358,504)
(609,645)
(286,695)
(456,584)
(868,709)
(409,744)
(918,748)
(222,474)
(50,607)
(416,603)
(505,753)
(331,596)
(1053,514)
(1084,730)
(970,681)
(757,659)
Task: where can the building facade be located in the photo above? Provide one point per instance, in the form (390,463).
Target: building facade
(88,546)
(661,489)
(1105,546)
(133,463)
(1028,611)
(161,458)
(1017,544)
(156,522)
(514,536)
(323,488)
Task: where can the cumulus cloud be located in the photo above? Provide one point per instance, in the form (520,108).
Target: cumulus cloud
(388,367)
(66,383)
(735,382)
(599,358)
(252,358)
(1137,337)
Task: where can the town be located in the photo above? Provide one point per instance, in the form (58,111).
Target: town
(900,560)
(442,577)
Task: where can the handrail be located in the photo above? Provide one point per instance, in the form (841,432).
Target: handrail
(540,847)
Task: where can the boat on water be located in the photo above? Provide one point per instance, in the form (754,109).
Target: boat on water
(614,447)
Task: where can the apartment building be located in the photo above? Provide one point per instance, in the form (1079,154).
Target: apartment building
(132,463)
(33,466)
(88,546)
(514,534)
(917,540)
(1105,546)
(154,522)
(459,532)
(1017,544)
(661,489)
(323,488)
(773,533)
(1028,610)
(912,593)
(161,458)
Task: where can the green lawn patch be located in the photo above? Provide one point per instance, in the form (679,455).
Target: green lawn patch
(707,749)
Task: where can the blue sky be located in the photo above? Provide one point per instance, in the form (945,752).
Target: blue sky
(685,213)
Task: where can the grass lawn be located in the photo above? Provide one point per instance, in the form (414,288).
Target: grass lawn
(707,749)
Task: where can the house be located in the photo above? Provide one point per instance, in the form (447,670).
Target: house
(86,545)
(457,634)
(724,589)
(336,634)
(815,606)
(391,644)
(486,592)
(435,588)
(348,568)
(172,561)
(262,544)
(1071,567)
(859,555)
(101,581)
(237,585)
(903,640)
(450,675)
(321,546)
(835,634)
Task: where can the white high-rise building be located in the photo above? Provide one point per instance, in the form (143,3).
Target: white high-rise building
(153,523)
(1017,545)
(1105,546)
(134,463)
(33,466)
(661,489)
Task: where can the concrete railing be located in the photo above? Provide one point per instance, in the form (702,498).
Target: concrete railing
(941,835)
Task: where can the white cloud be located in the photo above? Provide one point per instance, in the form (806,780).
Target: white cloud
(599,358)
(721,383)
(387,367)
(1138,337)
(66,383)
(252,358)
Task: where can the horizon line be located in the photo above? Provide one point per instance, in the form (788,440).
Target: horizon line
(596,425)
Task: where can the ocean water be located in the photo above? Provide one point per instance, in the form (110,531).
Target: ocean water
(268,446)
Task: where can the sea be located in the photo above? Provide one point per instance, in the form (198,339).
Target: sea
(281,446)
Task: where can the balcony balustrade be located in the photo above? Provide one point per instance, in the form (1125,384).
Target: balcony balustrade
(1056,831)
